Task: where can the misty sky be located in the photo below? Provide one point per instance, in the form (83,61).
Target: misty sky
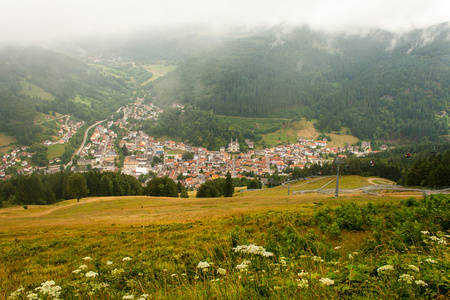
(47,20)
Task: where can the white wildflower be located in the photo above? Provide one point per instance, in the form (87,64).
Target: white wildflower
(82,267)
(87,258)
(76,271)
(49,288)
(421,283)
(385,268)
(326,281)
(173,275)
(337,247)
(302,283)
(117,271)
(91,274)
(317,258)
(350,256)
(16,293)
(203,265)
(221,271)
(127,258)
(252,249)
(109,262)
(302,273)
(425,232)
(131,296)
(243,266)
(414,268)
(32,296)
(406,278)
(430,260)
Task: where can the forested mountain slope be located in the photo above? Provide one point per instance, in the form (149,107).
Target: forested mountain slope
(69,85)
(381,85)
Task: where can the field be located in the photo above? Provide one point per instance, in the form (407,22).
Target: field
(6,142)
(33,91)
(158,71)
(55,151)
(172,248)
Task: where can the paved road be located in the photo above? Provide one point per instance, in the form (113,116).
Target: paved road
(84,142)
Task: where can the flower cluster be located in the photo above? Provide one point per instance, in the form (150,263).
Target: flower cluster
(243,266)
(326,281)
(252,249)
(91,274)
(303,283)
(421,283)
(203,265)
(385,268)
(406,278)
(414,268)
(127,258)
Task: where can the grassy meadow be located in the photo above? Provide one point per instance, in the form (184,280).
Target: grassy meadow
(6,142)
(34,91)
(262,244)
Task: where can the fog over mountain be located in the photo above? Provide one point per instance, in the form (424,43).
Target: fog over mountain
(47,21)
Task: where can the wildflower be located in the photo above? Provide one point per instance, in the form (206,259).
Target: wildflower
(76,271)
(425,232)
(302,273)
(203,265)
(32,296)
(302,283)
(127,258)
(221,271)
(117,271)
(243,266)
(430,260)
(406,278)
(326,281)
(173,275)
(414,268)
(350,256)
(283,261)
(337,247)
(91,274)
(16,293)
(128,296)
(82,267)
(385,268)
(317,258)
(49,288)
(87,258)
(421,283)
(252,249)
(109,262)
(183,274)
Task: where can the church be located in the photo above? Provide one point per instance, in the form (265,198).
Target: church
(233,146)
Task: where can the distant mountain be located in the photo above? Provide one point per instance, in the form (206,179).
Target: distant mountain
(382,85)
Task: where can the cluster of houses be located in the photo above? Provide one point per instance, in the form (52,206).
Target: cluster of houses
(66,131)
(149,156)
(17,157)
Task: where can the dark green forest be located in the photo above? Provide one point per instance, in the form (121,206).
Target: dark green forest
(378,90)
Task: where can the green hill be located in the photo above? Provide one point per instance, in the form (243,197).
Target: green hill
(381,85)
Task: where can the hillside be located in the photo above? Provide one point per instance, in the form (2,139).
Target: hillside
(35,80)
(248,247)
(381,85)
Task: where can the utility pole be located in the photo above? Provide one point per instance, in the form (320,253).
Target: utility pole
(338,162)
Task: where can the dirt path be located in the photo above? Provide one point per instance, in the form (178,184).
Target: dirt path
(383,181)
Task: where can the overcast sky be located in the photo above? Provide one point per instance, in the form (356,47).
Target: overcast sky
(46,20)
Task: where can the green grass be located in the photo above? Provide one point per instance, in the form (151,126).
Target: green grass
(55,151)
(84,100)
(35,91)
(158,71)
(6,142)
(168,238)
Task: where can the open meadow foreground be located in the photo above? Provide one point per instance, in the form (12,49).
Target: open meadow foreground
(256,245)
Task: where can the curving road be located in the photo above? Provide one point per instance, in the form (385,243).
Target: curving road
(84,142)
